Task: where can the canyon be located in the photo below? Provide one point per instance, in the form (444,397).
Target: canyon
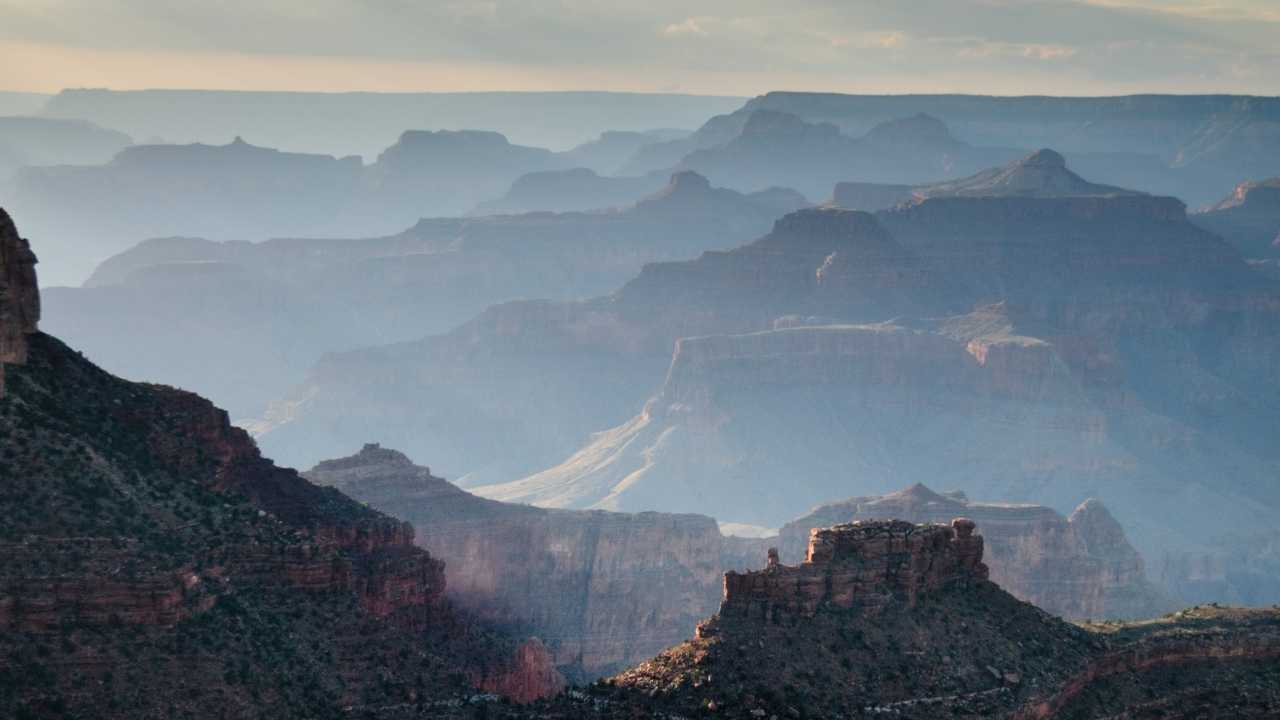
(297,299)
(1042,349)
(605,590)
(154,559)
(890,617)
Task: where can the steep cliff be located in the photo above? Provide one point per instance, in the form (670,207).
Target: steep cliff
(601,590)
(157,564)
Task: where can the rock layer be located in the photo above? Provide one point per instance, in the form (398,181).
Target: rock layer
(864,566)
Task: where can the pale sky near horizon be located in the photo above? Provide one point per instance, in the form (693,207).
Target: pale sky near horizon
(732,47)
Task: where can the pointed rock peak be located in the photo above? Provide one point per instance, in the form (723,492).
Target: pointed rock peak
(1045,157)
(1042,174)
(1101,532)
(239,142)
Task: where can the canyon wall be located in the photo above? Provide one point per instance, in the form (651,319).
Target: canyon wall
(601,590)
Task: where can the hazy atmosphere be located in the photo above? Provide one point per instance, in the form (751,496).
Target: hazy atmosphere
(640,361)
(733,47)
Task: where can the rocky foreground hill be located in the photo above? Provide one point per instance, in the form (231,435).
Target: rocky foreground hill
(890,618)
(156,565)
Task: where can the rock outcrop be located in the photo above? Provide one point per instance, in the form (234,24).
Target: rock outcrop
(1078,567)
(863,566)
(19,295)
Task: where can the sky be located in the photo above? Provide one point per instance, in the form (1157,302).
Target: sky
(728,47)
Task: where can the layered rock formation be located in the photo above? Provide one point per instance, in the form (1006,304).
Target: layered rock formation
(862,566)
(1248,218)
(1032,349)
(156,563)
(292,300)
(1078,567)
(601,590)
(1105,347)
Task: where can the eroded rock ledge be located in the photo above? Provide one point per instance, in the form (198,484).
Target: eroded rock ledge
(862,565)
